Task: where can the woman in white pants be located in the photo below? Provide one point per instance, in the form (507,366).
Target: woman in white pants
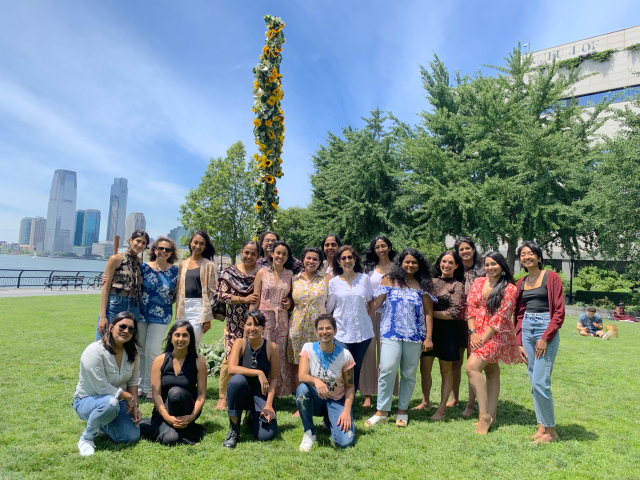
(197,282)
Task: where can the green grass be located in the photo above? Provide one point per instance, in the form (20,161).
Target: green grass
(595,385)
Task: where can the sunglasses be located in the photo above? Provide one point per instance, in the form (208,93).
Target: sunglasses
(254,359)
(164,249)
(122,327)
(346,257)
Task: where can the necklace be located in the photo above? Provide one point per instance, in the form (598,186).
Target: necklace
(530,283)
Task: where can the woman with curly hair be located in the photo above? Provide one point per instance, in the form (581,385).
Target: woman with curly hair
(405,330)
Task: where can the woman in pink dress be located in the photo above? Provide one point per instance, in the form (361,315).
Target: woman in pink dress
(492,341)
(273,286)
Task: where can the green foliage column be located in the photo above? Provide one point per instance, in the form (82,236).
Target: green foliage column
(268,126)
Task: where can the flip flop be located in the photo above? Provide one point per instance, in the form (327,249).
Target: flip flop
(402,420)
(376,419)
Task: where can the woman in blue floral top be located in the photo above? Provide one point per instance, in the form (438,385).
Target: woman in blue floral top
(405,330)
(159,278)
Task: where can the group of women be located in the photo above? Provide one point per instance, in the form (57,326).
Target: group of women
(323,327)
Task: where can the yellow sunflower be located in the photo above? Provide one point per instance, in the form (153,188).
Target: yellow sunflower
(271,101)
(269,179)
(256,122)
(271,135)
(268,163)
(266,50)
(268,122)
(275,191)
(274,205)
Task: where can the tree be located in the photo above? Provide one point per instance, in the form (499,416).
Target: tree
(223,203)
(502,159)
(292,225)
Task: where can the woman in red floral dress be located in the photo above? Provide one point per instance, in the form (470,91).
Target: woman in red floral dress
(491,303)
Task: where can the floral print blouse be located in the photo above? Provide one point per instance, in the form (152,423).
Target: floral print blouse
(403,316)
(157,294)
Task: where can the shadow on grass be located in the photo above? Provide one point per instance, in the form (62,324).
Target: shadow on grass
(575,432)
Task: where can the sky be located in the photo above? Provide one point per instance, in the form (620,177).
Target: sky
(151,90)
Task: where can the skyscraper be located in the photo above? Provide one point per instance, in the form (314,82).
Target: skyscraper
(77,237)
(91,227)
(135,221)
(176,233)
(117,209)
(37,234)
(61,218)
(25,230)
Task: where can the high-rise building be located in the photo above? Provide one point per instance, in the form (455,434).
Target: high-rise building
(176,233)
(117,209)
(135,221)
(104,249)
(25,230)
(61,214)
(91,228)
(77,237)
(37,234)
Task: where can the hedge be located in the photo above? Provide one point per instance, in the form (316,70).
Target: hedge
(615,297)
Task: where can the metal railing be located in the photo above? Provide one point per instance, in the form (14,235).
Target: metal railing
(14,278)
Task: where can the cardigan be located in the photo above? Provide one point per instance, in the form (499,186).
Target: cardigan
(556,307)
(209,280)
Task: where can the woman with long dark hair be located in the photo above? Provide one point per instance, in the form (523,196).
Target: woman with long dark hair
(406,319)
(448,275)
(378,261)
(266,241)
(539,316)
(235,289)
(273,288)
(492,301)
(197,284)
(179,385)
(329,246)
(107,391)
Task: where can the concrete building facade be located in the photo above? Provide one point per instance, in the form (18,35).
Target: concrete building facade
(61,214)
(117,208)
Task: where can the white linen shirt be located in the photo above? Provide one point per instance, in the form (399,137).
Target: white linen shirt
(100,374)
(349,308)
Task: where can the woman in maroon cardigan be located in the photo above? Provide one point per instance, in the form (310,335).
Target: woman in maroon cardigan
(539,316)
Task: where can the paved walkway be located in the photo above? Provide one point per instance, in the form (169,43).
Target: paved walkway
(40,292)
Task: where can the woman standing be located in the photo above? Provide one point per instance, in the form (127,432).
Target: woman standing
(159,278)
(273,286)
(449,291)
(179,379)
(236,291)
(266,241)
(254,364)
(539,316)
(406,319)
(330,246)
(197,283)
(122,283)
(493,341)
(473,269)
(107,391)
(349,293)
(378,260)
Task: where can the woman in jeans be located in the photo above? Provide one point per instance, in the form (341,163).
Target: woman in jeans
(122,283)
(539,316)
(107,391)
(197,283)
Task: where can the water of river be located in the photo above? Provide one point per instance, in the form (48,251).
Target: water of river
(45,263)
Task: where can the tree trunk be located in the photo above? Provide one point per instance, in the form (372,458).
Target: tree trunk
(233,259)
(511,255)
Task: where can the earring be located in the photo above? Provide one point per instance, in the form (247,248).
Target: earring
(503,274)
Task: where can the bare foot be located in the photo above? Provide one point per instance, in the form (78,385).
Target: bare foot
(452,403)
(484,423)
(467,412)
(538,434)
(546,438)
(438,415)
(222,404)
(423,406)
(296,414)
(367,401)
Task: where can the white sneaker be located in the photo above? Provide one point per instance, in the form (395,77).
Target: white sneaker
(308,439)
(86,447)
(607,335)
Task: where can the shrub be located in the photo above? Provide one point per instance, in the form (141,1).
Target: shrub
(213,354)
(592,278)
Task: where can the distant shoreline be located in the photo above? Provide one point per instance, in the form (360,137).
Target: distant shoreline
(52,256)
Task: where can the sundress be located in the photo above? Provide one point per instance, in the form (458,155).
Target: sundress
(502,346)
(277,327)
(309,298)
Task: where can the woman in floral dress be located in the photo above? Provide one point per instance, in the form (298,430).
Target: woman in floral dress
(273,286)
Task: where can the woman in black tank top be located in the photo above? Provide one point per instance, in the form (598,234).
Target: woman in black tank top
(179,389)
(254,364)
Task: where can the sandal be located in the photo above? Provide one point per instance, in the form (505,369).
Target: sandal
(402,420)
(376,419)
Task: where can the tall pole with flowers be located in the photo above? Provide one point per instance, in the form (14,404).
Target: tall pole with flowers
(268,126)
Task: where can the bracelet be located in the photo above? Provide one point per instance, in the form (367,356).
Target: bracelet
(472,331)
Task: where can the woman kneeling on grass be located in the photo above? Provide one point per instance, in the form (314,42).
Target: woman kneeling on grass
(107,391)
(179,388)
(326,387)
(254,363)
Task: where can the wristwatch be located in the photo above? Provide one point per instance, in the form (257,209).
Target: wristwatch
(472,330)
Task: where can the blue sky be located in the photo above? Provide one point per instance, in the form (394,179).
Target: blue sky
(151,90)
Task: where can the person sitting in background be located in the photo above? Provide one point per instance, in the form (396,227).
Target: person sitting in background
(619,314)
(590,324)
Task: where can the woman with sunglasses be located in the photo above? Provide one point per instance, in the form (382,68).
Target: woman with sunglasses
(107,391)
(349,294)
(159,277)
(254,363)
(179,380)
(197,284)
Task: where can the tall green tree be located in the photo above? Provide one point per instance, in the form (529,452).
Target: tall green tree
(503,159)
(223,203)
(292,224)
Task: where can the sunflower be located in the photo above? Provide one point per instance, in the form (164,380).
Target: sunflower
(266,50)
(261,146)
(276,118)
(268,163)
(271,135)
(255,239)
(256,122)
(274,205)
(269,179)
(275,191)
(256,84)
(268,122)
(279,173)
(255,157)
(268,152)
(279,161)
(271,101)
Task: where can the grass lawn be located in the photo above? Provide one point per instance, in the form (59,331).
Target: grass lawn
(595,386)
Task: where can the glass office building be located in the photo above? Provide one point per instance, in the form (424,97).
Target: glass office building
(61,214)
(91,228)
(25,230)
(77,237)
(117,209)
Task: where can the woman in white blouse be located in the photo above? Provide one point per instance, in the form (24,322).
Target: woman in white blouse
(107,391)
(349,294)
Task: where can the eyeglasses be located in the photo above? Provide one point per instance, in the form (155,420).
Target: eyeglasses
(346,257)
(164,249)
(122,327)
